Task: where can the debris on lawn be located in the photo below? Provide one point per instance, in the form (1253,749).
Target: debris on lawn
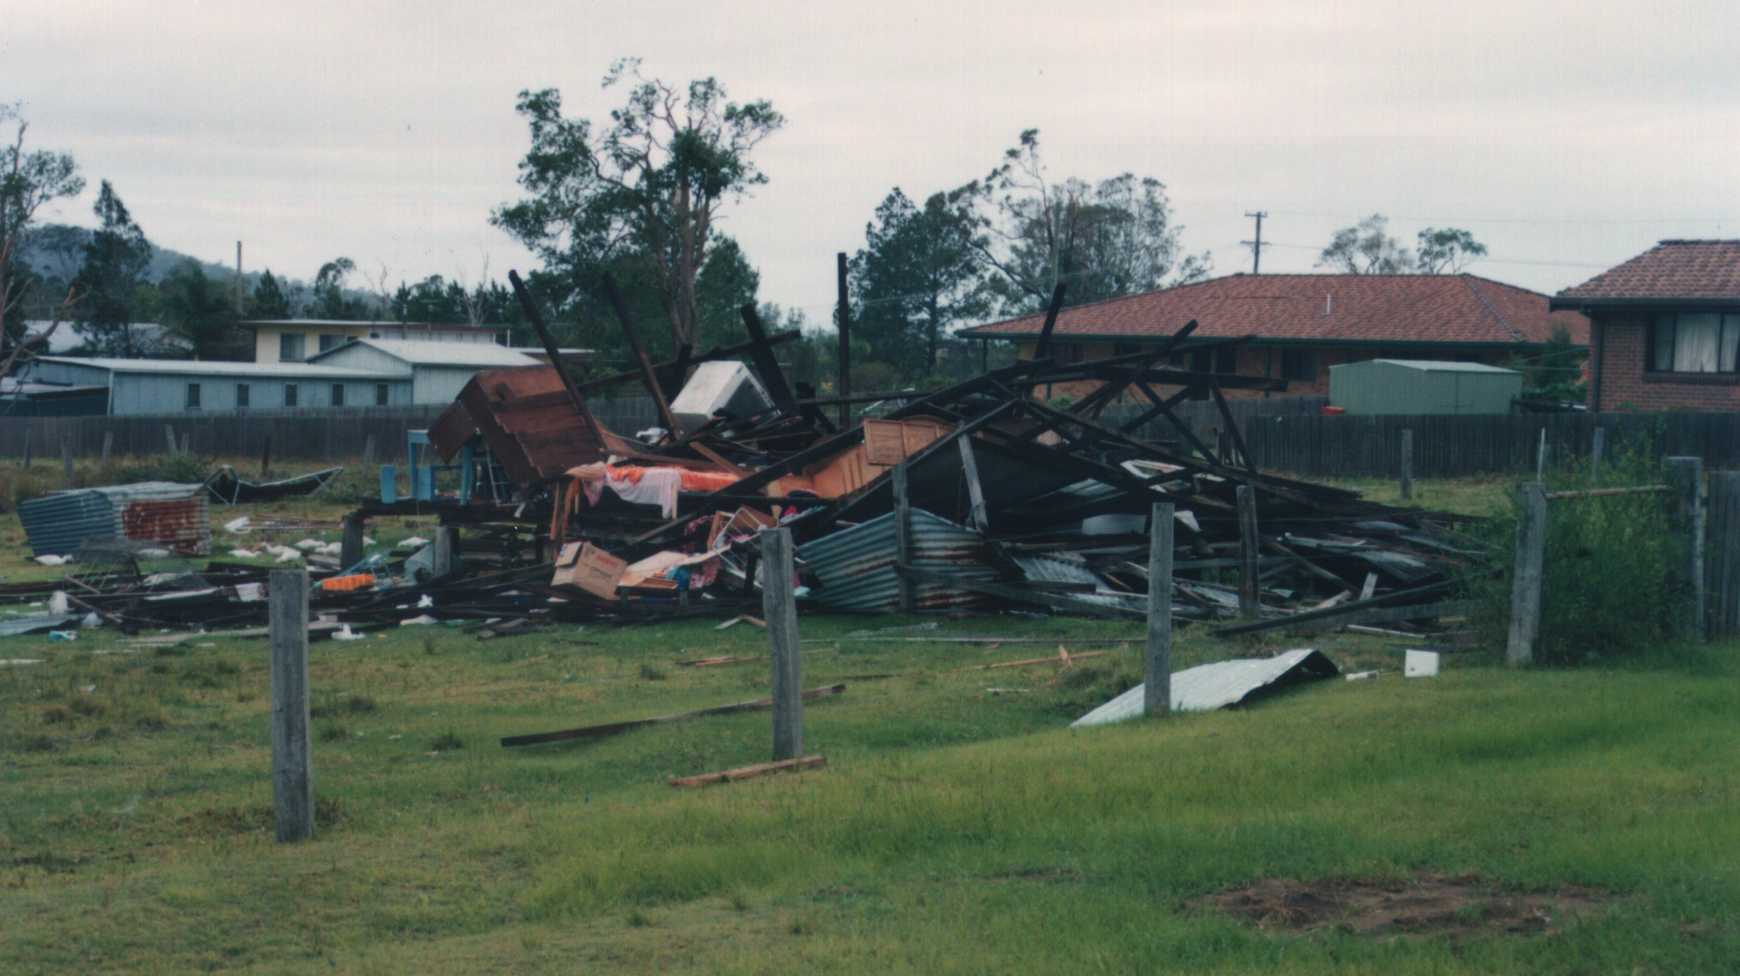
(751,772)
(1420,664)
(1223,684)
(1424,905)
(613,728)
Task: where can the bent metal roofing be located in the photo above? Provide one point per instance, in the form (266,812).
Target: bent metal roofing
(1673,270)
(212,367)
(1459,309)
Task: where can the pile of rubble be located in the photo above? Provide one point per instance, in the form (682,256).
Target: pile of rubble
(979,496)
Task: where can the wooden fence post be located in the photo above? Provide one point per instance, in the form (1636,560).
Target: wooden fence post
(108,444)
(1248,599)
(1722,581)
(66,461)
(1597,447)
(26,462)
(292,760)
(1157,662)
(903,540)
(1407,463)
(1541,458)
(446,550)
(369,449)
(169,438)
(1686,475)
(1525,592)
(779,609)
(350,547)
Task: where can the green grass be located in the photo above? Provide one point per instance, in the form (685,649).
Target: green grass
(958,827)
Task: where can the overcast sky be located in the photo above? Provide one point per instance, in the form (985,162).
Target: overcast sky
(1566,135)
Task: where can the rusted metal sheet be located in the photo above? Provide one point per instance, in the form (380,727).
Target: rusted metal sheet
(180,524)
(165,514)
(855,566)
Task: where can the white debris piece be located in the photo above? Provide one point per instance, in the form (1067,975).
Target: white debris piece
(345,633)
(248,592)
(289,556)
(412,542)
(1224,683)
(1420,664)
(309,545)
(238,524)
(330,549)
(52,560)
(152,554)
(420,620)
(244,554)
(57,602)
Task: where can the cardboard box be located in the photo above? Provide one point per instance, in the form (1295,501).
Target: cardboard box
(590,568)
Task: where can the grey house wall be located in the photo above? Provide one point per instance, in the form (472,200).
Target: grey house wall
(430,382)
(76,375)
(146,393)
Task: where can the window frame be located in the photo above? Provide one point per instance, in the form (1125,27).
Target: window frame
(288,341)
(244,396)
(1303,369)
(383,394)
(1727,322)
(192,397)
(337,395)
(292,395)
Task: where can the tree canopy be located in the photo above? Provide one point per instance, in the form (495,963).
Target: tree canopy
(197,310)
(639,197)
(28,179)
(1368,248)
(917,275)
(108,283)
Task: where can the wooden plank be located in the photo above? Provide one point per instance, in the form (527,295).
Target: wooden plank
(648,374)
(1157,657)
(1525,598)
(292,756)
(613,728)
(350,546)
(779,609)
(903,536)
(752,772)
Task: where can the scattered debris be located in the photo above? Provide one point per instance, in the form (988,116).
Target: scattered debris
(1424,905)
(751,772)
(1222,684)
(1420,664)
(613,728)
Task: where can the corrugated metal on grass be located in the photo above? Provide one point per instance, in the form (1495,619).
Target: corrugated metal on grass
(855,566)
(160,513)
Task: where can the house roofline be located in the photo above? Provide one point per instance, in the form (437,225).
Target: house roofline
(1574,304)
(1154,340)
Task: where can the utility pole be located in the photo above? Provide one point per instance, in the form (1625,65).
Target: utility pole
(1256,246)
(239,279)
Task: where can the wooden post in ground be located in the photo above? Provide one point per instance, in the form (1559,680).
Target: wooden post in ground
(1541,459)
(369,449)
(1525,592)
(1597,447)
(292,759)
(26,463)
(187,443)
(169,438)
(1407,464)
(66,461)
(1248,555)
(903,540)
(843,320)
(1686,475)
(975,492)
(779,609)
(1157,662)
(266,456)
(350,547)
(446,550)
(108,445)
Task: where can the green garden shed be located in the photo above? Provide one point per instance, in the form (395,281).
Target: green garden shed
(1417,386)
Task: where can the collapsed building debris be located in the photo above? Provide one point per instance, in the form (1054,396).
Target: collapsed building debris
(976,496)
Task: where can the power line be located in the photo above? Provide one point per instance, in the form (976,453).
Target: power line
(1256,246)
(1523,220)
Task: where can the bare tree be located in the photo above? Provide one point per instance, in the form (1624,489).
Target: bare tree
(28,179)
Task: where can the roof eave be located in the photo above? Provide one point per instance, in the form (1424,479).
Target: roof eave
(1574,304)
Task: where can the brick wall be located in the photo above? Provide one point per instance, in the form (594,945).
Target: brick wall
(1622,350)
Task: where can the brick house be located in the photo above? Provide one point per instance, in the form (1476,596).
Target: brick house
(1665,328)
(1306,323)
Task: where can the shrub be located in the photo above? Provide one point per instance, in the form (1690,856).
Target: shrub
(1612,586)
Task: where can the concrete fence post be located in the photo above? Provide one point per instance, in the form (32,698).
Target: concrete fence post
(292,758)
(1526,579)
(1686,476)
(779,609)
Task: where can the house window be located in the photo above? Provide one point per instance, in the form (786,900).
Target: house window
(193,396)
(1298,364)
(380,394)
(242,395)
(290,394)
(290,347)
(338,394)
(330,341)
(1694,342)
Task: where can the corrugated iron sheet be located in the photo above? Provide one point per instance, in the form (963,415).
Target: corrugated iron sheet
(160,513)
(1207,687)
(855,566)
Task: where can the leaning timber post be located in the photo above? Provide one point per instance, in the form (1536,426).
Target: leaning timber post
(779,609)
(66,461)
(1157,663)
(1686,475)
(975,491)
(1407,464)
(1248,602)
(187,443)
(350,547)
(292,760)
(108,445)
(169,437)
(903,540)
(1541,459)
(1597,447)
(1525,593)
(844,321)
(446,550)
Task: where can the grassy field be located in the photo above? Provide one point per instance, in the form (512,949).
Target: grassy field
(958,827)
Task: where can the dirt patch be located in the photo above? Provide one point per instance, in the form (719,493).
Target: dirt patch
(1429,904)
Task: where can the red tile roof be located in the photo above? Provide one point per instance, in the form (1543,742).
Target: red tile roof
(1672,270)
(1460,309)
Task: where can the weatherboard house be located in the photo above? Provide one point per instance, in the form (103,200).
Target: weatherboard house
(1665,328)
(1303,324)
(358,373)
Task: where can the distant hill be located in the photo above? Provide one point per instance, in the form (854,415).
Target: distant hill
(56,250)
